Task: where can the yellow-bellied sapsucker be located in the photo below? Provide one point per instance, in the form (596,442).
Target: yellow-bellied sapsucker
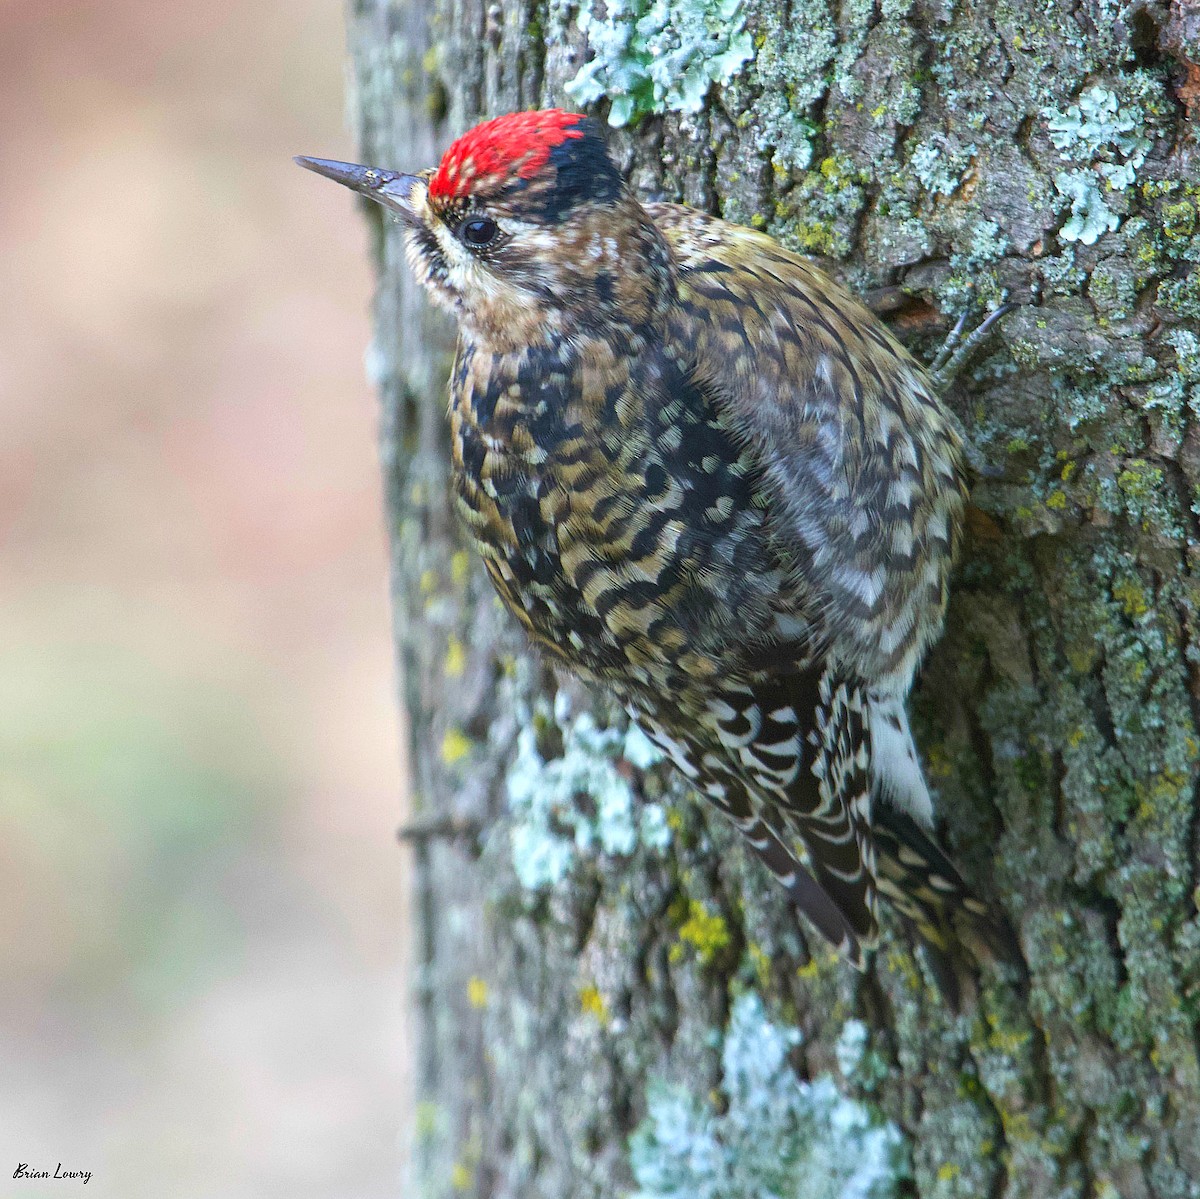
(702,475)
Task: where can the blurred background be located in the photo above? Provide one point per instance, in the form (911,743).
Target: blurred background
(202,902)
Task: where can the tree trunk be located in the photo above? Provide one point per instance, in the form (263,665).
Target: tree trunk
(588,968)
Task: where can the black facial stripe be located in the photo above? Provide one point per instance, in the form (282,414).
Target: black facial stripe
(428,248)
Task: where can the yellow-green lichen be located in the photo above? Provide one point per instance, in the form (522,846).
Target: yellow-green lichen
(456,745)
(1179,220)
(456,657)
(591,1003)
(706,932)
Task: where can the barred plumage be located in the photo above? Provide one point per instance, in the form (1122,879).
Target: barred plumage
(700,474)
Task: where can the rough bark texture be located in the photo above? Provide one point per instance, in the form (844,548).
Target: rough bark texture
(932,152)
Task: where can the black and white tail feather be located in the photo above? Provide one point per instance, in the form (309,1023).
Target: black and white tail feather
(838,811)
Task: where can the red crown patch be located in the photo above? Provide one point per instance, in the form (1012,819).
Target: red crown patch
(518,144)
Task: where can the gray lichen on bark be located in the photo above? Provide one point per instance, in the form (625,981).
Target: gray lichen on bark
(938,155)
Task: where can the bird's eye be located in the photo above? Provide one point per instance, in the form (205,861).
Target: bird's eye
(479,231)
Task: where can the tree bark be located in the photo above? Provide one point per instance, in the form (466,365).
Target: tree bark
(940,156)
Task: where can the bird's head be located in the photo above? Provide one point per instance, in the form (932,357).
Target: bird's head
(525,230)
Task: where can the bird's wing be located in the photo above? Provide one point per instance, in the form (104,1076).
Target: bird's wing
(785,759)
(862,486)
(802,745)
(861,464)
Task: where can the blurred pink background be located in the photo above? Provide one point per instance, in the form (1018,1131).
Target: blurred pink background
(202,903)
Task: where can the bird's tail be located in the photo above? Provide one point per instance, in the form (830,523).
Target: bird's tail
(805,892)
(959,931)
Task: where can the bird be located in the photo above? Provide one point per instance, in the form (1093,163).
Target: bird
(704,477)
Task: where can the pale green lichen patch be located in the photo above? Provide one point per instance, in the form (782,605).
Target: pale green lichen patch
(1090,215)
(1108,138)
(859,1062)
(790,75)
(969,283)
(659,56)
(773,1134)
(941,166)
(578,802)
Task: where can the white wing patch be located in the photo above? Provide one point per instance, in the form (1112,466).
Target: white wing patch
(894,762)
